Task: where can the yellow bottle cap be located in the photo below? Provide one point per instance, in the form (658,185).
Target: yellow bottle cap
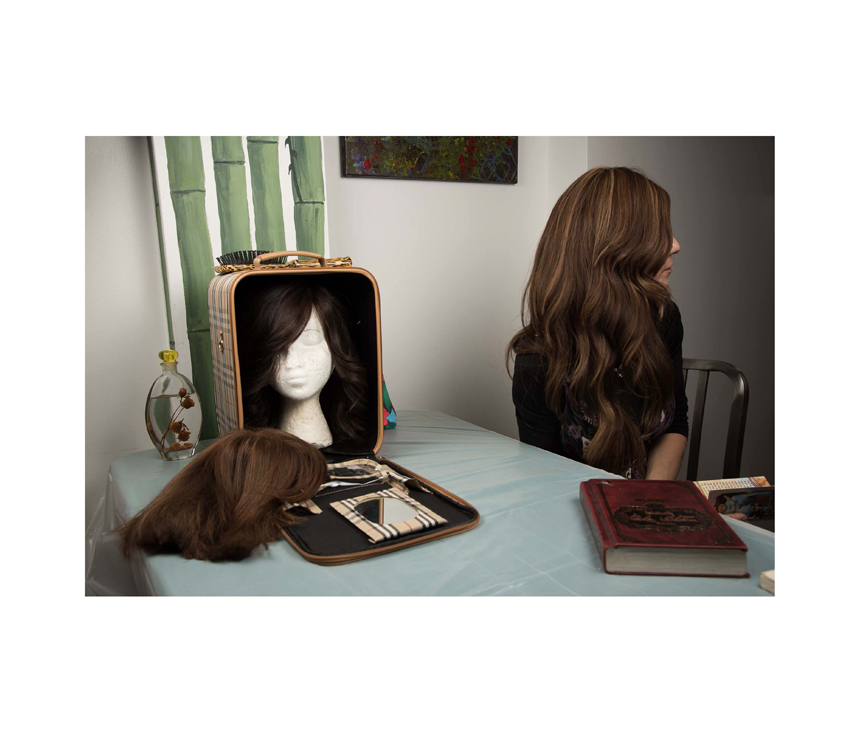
(168,356)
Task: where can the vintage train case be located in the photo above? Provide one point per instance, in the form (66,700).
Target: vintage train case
(325,535)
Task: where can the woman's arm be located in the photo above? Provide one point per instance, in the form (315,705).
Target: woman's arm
(665,457)
(537,424)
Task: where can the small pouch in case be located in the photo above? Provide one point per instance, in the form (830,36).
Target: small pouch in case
(387,514)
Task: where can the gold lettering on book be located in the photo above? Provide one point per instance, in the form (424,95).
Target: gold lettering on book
(655,516)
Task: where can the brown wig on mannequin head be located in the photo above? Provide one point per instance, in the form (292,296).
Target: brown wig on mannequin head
(592,305)
(230,498)
(269,322)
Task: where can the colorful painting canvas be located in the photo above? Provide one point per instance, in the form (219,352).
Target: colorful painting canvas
(462,159)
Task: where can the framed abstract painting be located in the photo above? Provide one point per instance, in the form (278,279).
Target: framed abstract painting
(459,159)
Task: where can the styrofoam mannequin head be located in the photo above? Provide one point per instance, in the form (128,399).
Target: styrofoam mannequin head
(280,392)
(302,372)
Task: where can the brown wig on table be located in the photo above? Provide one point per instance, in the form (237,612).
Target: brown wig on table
(268,323)
(230,498)
(592,305)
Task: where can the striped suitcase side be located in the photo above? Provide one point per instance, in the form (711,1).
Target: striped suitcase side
(221,336)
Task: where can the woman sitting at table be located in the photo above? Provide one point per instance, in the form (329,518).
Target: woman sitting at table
(598,363)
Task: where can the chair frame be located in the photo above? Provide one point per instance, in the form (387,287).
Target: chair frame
(737,416)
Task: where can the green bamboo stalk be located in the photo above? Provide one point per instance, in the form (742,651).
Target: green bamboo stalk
(186,181)
(265,186)
(161,247)
(231,189)
(308,192)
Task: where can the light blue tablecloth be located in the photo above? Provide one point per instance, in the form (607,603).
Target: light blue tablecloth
(532,539)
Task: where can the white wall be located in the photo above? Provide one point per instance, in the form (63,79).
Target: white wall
(125,305)
(567,159)
(451,260)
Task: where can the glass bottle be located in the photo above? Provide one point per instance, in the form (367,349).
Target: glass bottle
(173,411)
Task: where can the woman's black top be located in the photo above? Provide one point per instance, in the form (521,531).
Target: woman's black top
(570,434)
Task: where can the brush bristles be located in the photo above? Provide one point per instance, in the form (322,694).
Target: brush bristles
(242,258)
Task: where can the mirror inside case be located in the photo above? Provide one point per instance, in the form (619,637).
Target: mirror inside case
(386,510)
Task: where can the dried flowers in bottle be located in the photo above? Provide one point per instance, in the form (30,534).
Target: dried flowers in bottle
(173,411)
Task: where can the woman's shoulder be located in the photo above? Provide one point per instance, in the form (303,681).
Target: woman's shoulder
(671,314)
(671,320)
(529,371)
(530,365)
(529,360)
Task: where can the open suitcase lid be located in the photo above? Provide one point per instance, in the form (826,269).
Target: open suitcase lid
(358,290)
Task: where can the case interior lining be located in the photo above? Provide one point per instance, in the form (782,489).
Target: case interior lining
(357,293)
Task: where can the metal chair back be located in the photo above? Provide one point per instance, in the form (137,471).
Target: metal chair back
(737,416)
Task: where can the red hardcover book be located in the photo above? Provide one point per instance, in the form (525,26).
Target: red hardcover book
(660,527)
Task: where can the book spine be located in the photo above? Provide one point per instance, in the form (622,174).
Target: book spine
(593,521)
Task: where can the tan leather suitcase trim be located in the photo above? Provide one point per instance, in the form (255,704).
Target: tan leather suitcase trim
(343,558)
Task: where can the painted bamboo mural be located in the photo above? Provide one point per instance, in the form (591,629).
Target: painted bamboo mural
(186,183)
(308,192)
(231,189)
(161,247)
(190,235)
(263,155)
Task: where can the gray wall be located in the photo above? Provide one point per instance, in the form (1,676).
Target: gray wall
(125,306)
(723,217)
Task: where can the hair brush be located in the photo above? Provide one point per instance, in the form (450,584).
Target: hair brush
(246,258)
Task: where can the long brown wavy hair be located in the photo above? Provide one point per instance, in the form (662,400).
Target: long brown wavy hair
(591,307)
(230,498)
(271,320)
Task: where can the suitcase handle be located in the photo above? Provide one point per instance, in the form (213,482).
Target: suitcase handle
(275,254)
